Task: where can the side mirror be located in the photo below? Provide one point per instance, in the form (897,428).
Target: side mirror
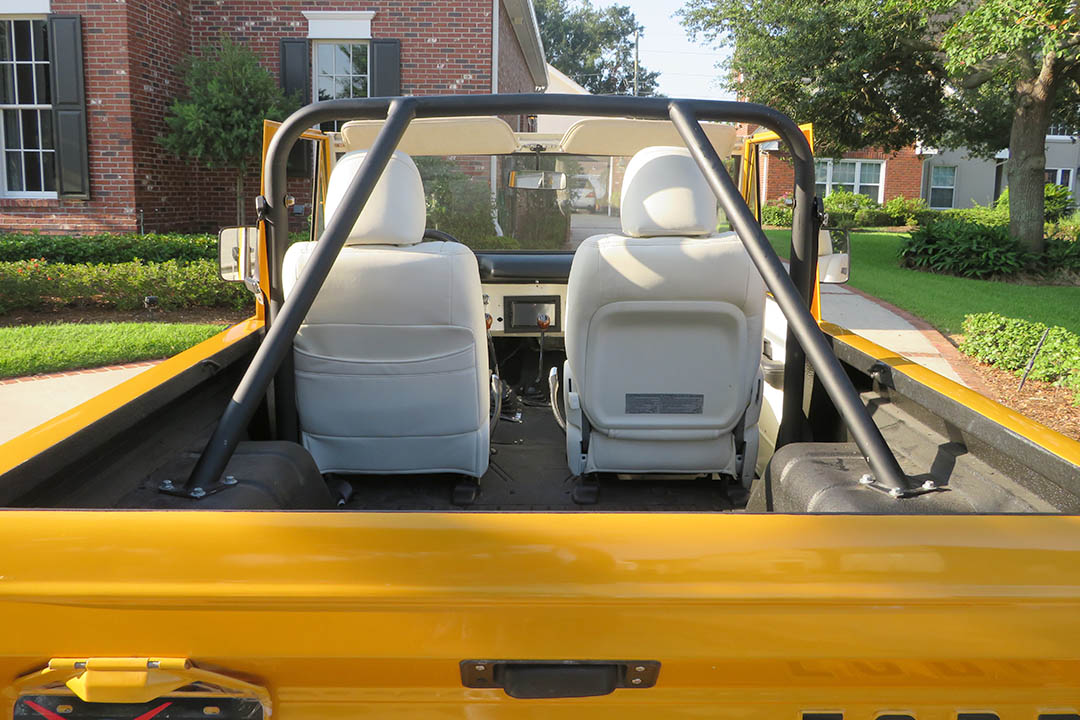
(834,253)
(538,180)
(238,259)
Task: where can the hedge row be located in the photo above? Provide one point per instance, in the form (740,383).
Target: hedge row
(30,284)
(1009,343)
(108,248)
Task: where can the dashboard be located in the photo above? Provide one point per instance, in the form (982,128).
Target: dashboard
(519,287)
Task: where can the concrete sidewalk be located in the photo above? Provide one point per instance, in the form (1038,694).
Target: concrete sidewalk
(25,403)
(895,329)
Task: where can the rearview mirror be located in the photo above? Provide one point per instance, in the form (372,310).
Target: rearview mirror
(238,259)
(538,180)
(834,253)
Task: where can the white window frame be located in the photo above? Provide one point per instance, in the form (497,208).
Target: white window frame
(859,162)
(1069,131)
(930,192)
(366,42)
(34,12)
(1057,175)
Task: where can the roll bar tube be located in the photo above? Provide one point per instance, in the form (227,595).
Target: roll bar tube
(793,293)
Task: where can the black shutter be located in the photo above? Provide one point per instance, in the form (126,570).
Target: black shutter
(296,82)
(69,106)
(385,68)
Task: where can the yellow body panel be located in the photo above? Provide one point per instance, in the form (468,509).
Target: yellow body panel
(1036,432)
(751,616)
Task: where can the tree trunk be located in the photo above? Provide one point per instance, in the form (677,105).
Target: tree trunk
(1027,157)
(240,198)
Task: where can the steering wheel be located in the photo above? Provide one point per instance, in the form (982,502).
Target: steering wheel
(439,235)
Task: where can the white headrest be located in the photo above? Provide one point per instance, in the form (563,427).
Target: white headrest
(665,194)
(395,214)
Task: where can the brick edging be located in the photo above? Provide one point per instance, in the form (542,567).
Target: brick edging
(957,360)
(69,373)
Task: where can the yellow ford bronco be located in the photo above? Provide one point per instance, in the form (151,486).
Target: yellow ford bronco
(487,450)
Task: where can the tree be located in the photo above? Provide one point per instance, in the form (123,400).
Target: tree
(219,121)
(982,75)
(593,46)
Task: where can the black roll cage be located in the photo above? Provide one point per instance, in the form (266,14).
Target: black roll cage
(792,290)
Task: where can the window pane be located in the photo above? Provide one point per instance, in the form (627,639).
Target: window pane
(326,88)
(30,129)
(943,176)
(24,81)
(359,59)
(7,84)
(870,191)
(324,59)
(12,135)
(359,87)
(342,61)
(341,87)
(843,173)
(22,40)
(41,76)
(821,170)
(5,40)
(41,40)
(870,173)
(819,189)
(33,171)
(941,197)
(1065,177)
(14,170)
(841,186)
(48,171)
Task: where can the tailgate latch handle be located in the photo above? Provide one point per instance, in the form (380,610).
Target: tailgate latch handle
(559,678)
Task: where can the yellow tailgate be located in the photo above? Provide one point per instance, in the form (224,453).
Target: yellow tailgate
(370,614)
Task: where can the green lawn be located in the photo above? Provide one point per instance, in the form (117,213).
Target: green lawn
(31,349)
(943,300)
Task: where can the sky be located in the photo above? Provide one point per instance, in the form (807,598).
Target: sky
(687,69)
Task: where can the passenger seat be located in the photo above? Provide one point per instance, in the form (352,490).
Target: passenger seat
(391,361)
(663,334)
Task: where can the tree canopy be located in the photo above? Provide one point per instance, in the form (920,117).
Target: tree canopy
(219,120)
(594,46)
(887,73)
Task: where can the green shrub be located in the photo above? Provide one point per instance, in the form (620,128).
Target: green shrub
(1009,343)
(777,215)
(904,211)
(841,207)
(873,217)
(1062,253)
(492,242)
(1056,201)
(965,248)
(39,284)
(108,248)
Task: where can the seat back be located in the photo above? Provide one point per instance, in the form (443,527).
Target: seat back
(391,361)
(664,331)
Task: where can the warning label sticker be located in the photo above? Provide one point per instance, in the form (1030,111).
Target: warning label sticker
(664,404)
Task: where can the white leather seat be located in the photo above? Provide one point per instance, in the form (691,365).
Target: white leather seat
(391,361)
(663,333)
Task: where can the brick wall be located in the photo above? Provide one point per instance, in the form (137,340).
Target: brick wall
(903,173)
(131,53)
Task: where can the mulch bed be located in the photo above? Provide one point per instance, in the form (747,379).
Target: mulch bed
(1048,404)
(208,316)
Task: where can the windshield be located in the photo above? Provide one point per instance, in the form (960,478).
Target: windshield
(460,200)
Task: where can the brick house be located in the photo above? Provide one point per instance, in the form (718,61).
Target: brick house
(85,85)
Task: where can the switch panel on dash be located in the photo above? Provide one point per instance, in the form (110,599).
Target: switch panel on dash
(522,312)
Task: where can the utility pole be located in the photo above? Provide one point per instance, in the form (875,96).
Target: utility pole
(635,61)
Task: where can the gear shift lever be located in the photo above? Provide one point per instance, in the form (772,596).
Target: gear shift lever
(543,322)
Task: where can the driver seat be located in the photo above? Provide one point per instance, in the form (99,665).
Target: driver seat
(391,361)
